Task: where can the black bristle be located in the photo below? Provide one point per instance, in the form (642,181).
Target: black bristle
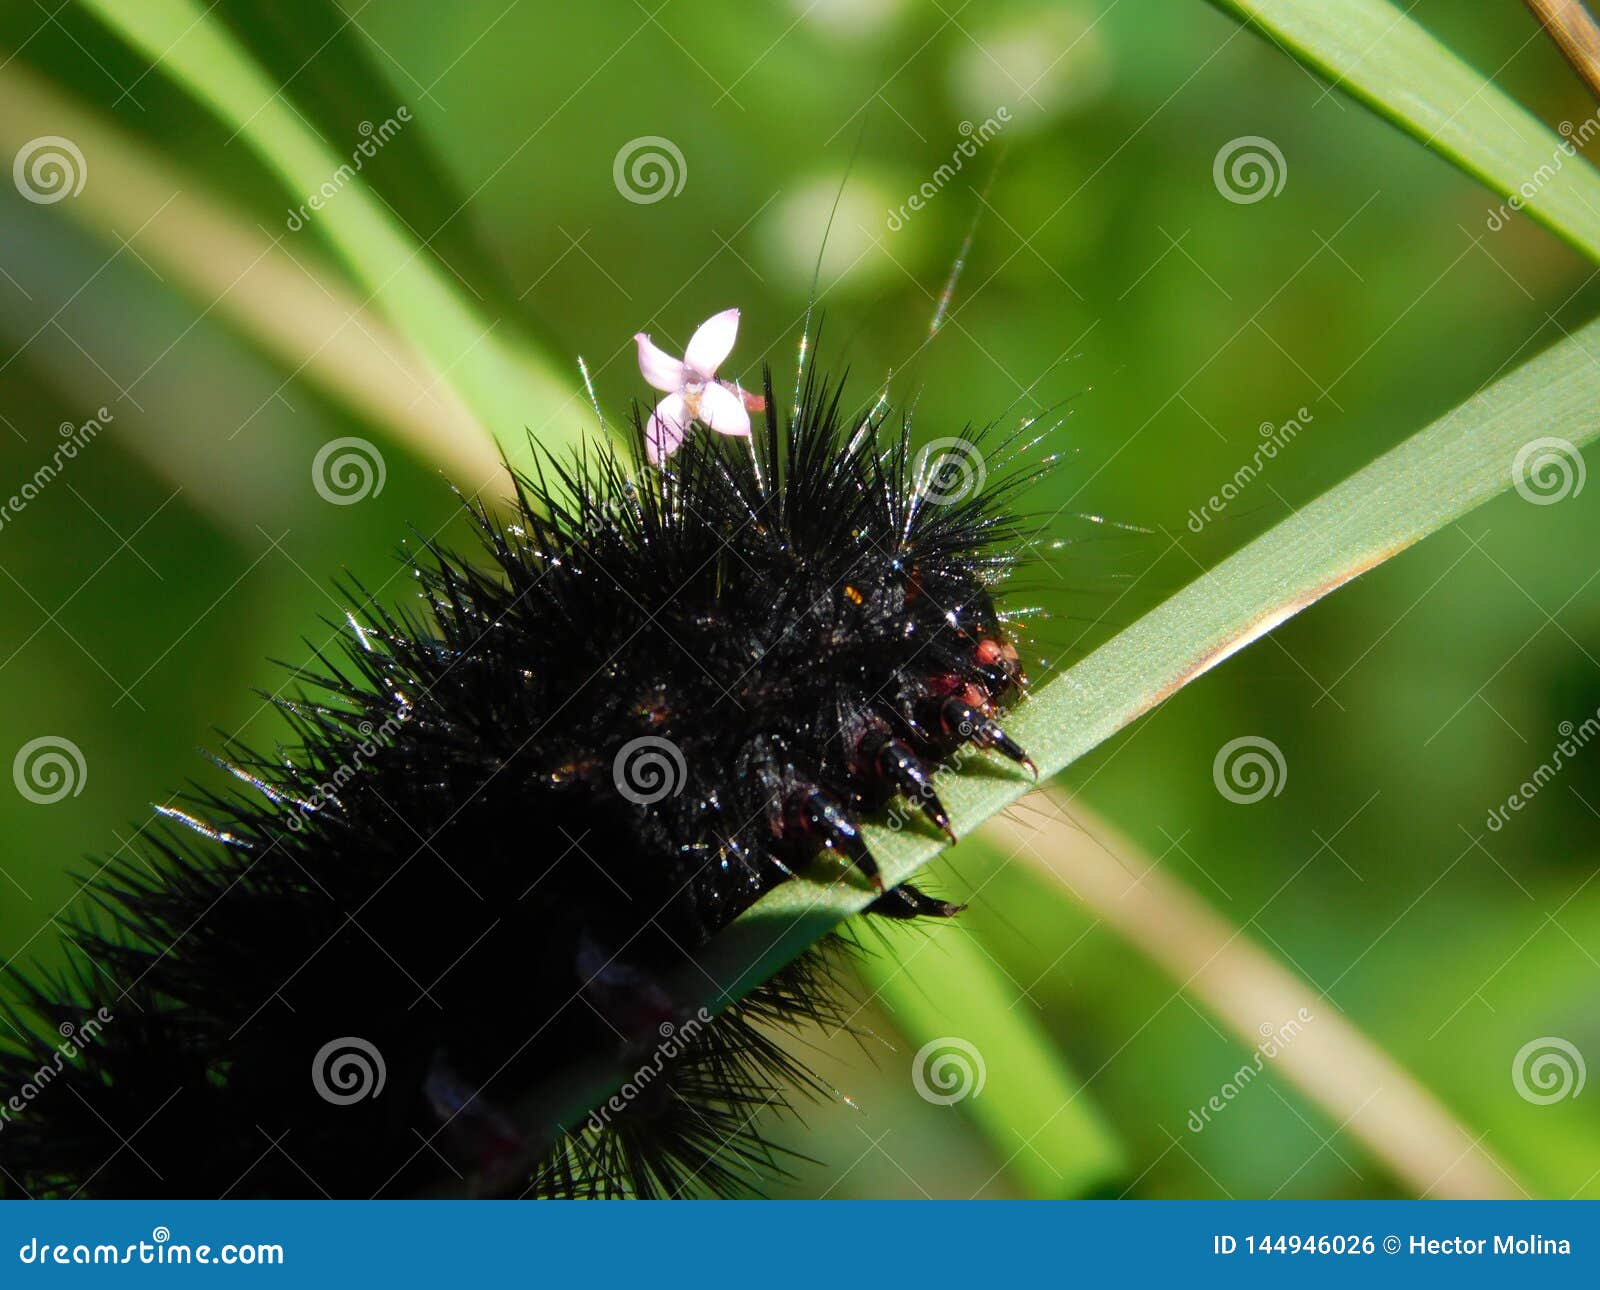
(503,822)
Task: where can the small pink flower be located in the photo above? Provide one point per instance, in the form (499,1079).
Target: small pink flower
(692,389)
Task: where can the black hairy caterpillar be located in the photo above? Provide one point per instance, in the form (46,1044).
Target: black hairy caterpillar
(505,821)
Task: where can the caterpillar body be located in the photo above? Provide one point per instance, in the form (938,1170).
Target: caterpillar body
(508,816)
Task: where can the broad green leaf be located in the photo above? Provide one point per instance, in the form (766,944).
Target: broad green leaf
(1436,476)
(1375,52)
(974,1045)
(508,390)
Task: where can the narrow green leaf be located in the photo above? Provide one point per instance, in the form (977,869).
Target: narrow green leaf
(1375,52)
(295,308)
(977,1047)
(508,390)
(1360,1088)
(342,80)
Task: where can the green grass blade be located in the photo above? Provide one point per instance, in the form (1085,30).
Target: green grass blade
(1436,476)
(1046,1132)
(342,78)
(1378,55)
(293,307)
(506,389)
(1221,965)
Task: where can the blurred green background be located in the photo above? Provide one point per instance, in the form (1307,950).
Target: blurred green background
(146,588)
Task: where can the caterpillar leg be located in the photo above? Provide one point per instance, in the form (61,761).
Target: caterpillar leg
(803,816)
(818,816)
(905,901)
(960,721)
(893,762)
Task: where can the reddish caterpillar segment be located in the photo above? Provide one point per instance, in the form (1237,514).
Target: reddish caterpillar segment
(953,710)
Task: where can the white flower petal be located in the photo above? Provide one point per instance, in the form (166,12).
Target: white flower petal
(666,429)
(711,343)
(660,369)
(723,410)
